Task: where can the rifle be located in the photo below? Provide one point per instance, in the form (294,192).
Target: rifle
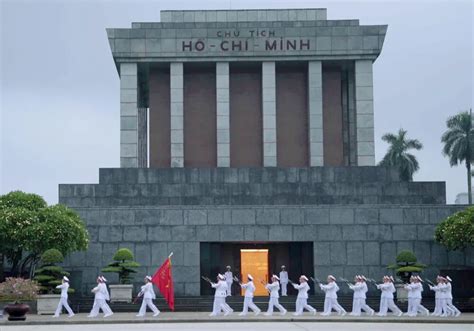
(315,280)
(206,279)
(345,281)
(237,280)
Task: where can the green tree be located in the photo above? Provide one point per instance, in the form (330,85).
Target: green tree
(456,232)
(28,227)
(406,264)
(397,154)
(124,265)
(458,143)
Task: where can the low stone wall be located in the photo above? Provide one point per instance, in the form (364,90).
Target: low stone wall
(348,240)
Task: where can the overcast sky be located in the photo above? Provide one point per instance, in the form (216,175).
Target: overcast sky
(60,89)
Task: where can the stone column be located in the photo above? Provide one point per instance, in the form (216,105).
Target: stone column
(223,115)
(142,135)
(364,100)
(269,114)
(128,116)
(315,105)
(177,114)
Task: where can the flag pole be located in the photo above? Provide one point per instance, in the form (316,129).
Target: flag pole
(171,254)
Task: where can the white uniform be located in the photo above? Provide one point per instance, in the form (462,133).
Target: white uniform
(330,299)
(386,300)
(229,279)
(101,295)
(414,300)
(63,301)
(148,297)
(219,299)
(283,282)
(248,299)
(302,299)
(441,297)
(449,300)
(358,303)
(273,302)
(438,310)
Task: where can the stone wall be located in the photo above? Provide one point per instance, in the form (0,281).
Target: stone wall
(347,240)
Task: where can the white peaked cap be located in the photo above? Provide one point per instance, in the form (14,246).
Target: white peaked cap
(391,278)
(283,266)
(276,277)
(363,277)
(304,277)
(221,277)
(449,279)
(249,276)
(148,277)
(103,279)
(228,267)
(65,279)
(332,277)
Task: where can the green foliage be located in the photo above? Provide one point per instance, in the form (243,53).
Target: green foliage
(49,275)
(124,265)
(18,290)
(458,143)
(397,154)
(406,264)
(27,224)
(456,232)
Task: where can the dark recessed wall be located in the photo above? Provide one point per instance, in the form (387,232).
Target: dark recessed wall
(246,116)
(332,117)
(159,118)
(200,136)
(292,115)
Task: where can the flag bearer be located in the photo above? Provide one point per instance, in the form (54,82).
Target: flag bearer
(219,297)
(148,296)
(248,297)
(386,298)
(63,301)
(283,281)
(273,288)
(330,300)
(302,298)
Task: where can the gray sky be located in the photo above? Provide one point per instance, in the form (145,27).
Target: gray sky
(60,90)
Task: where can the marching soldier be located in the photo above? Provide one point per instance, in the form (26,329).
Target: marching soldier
(414,297)
(441,298)
(101,294)
(330,299)
(273,302)
(438,310)
(248,297)
(358,303)
(63,301)
(449,297)
(283,281)
(229,278)
(148,296)
(219,297)
(386,298)
(302,298)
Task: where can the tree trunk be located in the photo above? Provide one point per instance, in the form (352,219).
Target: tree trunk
(469,188)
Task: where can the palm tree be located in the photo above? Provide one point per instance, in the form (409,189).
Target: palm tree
(398,156)
(459,143)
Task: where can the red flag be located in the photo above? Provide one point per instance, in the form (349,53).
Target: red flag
(163,279)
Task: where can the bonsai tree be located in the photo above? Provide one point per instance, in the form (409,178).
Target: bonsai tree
(457,231)
(124,265)
(28,227)
(406,265)
(50,274)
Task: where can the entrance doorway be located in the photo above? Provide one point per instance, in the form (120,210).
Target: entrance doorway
(254,262)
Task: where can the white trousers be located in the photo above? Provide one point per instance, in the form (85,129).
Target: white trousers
(283,289)
(229,288)
(100,304)
(415,307)
(385,305)
(330,304)
(358,304)
(274,303)
(301,305)
(63,303)
(449,304)
(220,305)
(148,302)
(248,303)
